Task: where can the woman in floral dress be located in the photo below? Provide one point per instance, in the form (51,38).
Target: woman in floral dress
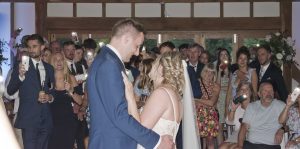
(207,115)
(291,116)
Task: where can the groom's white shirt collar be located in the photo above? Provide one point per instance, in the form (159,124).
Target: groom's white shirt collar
(115,51)
(119,56)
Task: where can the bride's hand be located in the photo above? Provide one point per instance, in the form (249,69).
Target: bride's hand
(128,88)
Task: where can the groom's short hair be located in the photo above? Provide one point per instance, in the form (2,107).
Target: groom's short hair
(125,26)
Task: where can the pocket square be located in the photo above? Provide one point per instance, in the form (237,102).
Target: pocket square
(269,78)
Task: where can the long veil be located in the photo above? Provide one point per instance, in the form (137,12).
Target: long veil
(190,129)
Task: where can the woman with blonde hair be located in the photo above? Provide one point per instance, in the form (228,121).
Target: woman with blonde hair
(236,113)
(65,96)
(163,109)
(207,115)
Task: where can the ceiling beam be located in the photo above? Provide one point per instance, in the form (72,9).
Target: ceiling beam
(168,24)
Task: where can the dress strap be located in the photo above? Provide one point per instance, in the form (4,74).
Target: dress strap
(174,111)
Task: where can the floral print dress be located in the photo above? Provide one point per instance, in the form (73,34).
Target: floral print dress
(294,123)
(207,117)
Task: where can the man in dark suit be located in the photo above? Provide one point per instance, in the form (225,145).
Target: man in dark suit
(268,72)
(34,116)
(76,69)
(111,125)
(195,68)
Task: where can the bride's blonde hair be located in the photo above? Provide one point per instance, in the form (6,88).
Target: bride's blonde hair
(172,72)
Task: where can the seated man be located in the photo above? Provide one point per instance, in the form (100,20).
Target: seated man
(260,122)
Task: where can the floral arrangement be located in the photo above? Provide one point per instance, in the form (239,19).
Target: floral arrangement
(2,49)
(282,47)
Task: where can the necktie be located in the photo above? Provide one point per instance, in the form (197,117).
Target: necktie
(195,68)
(38,72)
(261,73)
(73,70)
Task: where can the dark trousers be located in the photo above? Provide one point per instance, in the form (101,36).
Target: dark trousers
(249,145)
(35,138)
(82,132)
(179,144)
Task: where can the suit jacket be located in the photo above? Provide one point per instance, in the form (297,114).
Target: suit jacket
(31,114)
(194,76)
(274,75)
(111,125)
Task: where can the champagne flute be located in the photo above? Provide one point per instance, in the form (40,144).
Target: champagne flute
(42,92)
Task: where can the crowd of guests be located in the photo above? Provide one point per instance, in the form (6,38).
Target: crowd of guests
(51,105)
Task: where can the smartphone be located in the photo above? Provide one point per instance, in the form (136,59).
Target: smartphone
(25,62)
(295,94)
(89,55)
(240,99)
(75,36)
(19,30)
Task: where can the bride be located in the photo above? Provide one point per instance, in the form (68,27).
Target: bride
(163,110)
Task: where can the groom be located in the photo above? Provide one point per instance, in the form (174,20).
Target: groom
(111,125)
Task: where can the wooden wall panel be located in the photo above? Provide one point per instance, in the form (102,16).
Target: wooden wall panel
(168,24)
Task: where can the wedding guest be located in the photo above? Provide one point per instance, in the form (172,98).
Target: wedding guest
(223,77)
(8,140)
(204,57)
(260,121)
(243,73)
(64,119)
(34,116)
(267,71)
(236,113)
(55,46)
(166,47)
(15,97)
(195,67)
(183,49)
(142,83)
(46,55)
(207,114)
(291,117)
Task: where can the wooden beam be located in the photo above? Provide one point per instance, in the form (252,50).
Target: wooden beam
(155,1)
(286,26)
(40,16)
(168,24)
(23,1)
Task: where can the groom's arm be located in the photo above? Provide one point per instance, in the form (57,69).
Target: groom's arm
(111,88)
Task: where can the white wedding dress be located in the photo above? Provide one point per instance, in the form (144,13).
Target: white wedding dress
(164,126)
(190,137)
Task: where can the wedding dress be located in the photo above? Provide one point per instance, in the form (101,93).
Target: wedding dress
(189,128)
(164,126)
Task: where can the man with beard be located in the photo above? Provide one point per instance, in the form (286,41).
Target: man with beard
(32,82)
(261,123)
(267,71)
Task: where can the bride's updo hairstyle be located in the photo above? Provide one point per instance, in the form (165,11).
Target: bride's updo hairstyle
(172,70)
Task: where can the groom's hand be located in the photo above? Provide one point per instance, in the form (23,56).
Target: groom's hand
(166,142)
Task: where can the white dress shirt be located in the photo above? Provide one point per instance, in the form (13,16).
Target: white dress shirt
(41,69)
(69,62)
(263,70)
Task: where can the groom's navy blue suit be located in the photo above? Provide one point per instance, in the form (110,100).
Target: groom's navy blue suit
(111,125)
